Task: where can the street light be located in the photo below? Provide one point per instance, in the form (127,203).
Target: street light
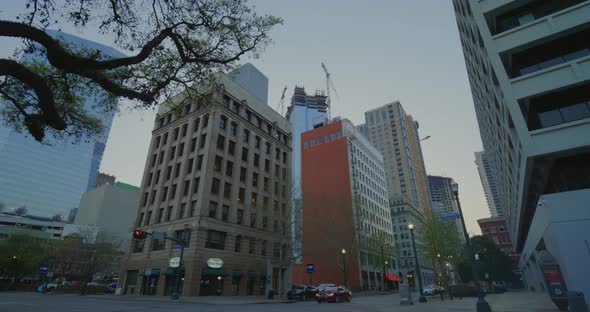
(482,305)
(343,252)
(422,298)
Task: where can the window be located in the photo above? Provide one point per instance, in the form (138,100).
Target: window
(266,165)
(169,214)
(173,191)
(187,109)
(184,130)
(176,132)
(177,170)
(277,154)
(222,122)
(284,173)
(202,140)
(339,134)
(149,218)
(240,217)
(168,173)
(305,145)
(252,220)
(229,168)
(244,154)
(256,160)
(312,143)
(246,136)
(241,194)
(243,174)
(227,190)
(233,129)
(231,148)
(275,227)
(265,222)
(276,207)
(257,141)
(215,186)
(164,193)
(189,166)
(149,179)
(328,138)
(248,115)
(254,199)
(252,245)
(186,187)
(238,243)
(265,203)
(138,246)
(224,213)
(172,152)
(267,148)
(182,210)
(263,248)
(199,162)
(255,179)
(140,221)
(217,164)
(220,142)
(319,140)
(160,215)
(153,198)
(276,188)
(184,235)
(277,171)
(193,208)
(212,209)
(284,157)
(205,121)
(196,125)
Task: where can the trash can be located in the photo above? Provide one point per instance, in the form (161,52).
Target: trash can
(271,294)
(576,301)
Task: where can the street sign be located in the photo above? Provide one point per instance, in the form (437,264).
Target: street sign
(42,270)
(451,216)
(310,268)
(176,247)
(174,262)
(159,235)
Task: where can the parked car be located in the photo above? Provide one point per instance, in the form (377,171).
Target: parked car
(430,290)
(301,292)
(334,294)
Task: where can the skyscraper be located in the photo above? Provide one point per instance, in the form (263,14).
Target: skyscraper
(395,134)
(253,80)
(490,189)
(49,179)
(305,113)
(443,200)
(527,63)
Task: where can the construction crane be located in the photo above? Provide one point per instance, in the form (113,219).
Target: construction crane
(281,106)
(329,84)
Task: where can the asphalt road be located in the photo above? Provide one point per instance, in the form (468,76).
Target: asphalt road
(25,302)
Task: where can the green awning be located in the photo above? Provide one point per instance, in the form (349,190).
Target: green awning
(170,271)
(155,272)
(210,271)
(252,274)
(237,273)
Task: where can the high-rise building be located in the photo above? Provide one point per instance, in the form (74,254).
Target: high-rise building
(345,205)
(218,176)
(403,213)
(111,208)
(253,80)
(48,180)
(527,63)
(490,188)
(305,113)
(104,178)
(395,134)
(444,203)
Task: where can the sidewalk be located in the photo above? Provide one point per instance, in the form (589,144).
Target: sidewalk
(234,300)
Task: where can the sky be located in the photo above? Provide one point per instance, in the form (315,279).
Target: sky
(377,51)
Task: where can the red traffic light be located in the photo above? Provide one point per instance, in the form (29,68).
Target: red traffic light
(139,234)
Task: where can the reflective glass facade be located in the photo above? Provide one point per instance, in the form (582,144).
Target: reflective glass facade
(49,179)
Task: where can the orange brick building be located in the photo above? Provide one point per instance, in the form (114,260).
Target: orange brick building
(338,165)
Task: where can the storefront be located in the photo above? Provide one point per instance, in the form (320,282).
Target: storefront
(212,278)
(171,274)
(149,284)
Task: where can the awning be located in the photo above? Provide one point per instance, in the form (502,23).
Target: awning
(155,272)
(151,272)
(210,271)
(252,274)
(170,271)
(237,273)
(392,278)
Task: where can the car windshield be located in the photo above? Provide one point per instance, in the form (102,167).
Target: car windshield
(330,289)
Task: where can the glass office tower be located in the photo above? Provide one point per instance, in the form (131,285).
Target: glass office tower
(49,179)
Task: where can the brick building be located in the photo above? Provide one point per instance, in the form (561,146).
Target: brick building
(218,175)
(344,206)
(495,229)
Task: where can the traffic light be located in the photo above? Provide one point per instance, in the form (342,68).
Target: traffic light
(139,234)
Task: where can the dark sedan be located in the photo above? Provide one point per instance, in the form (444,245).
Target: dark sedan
(301,292)
(334,294)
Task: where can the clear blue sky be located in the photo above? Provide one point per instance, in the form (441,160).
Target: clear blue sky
(378,51)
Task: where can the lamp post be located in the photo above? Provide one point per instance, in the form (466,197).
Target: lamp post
(385,274)
(482,305)
(343,252)
(422,298)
